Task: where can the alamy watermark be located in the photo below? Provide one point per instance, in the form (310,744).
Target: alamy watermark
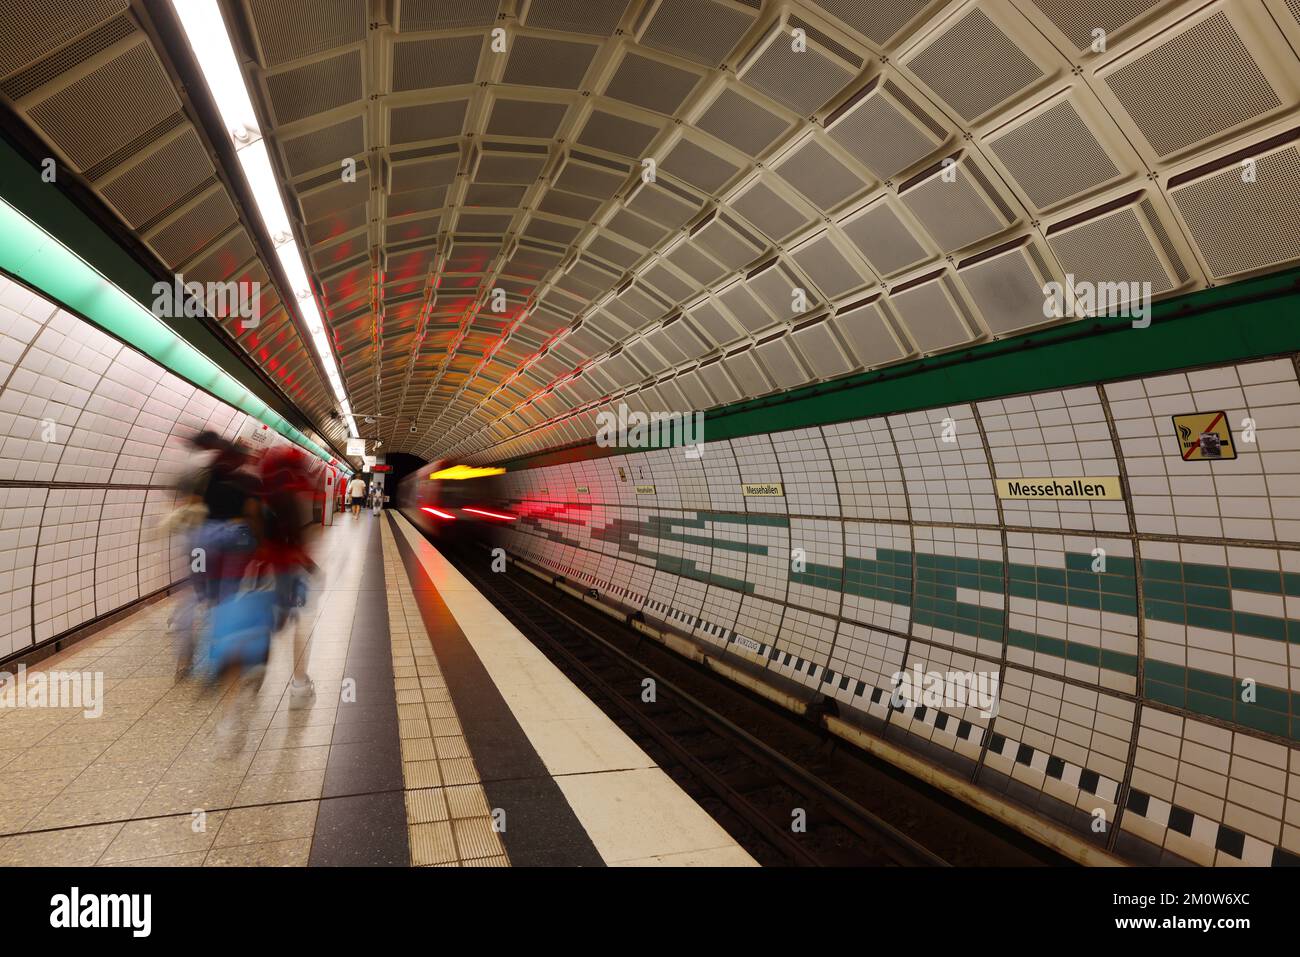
(180,299)
(947,689)
(53,689)
(638,430)
(1083,298)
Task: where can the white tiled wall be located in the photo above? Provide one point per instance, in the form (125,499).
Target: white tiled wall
(920,484)
(92,439)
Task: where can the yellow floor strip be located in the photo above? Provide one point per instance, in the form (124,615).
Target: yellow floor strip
(448,819)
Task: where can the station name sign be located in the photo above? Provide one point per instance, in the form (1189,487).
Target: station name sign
(1094,489)
(763,489)
(645,490)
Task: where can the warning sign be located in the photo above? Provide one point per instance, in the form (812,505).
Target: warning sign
(1204,436)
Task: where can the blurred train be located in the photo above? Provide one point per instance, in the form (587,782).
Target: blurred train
(443,505)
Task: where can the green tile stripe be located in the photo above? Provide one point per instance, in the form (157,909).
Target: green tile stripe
(1077,585)
(1188,593)
(1275,710)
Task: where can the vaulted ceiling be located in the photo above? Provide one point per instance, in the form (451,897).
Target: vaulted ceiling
(561,204)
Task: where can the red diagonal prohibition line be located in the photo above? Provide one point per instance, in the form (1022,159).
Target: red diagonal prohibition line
(1206,429)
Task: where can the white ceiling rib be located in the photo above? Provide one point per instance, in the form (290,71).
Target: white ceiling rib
(838,185)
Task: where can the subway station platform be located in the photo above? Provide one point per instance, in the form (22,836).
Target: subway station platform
(437,736)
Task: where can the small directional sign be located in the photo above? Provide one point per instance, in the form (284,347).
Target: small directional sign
(1204,436)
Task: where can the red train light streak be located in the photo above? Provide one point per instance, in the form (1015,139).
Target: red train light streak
(434,511)
(482,511)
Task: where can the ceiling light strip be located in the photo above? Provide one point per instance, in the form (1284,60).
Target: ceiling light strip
(209,41)
(29,253)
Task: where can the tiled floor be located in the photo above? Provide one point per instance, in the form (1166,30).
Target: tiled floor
(376,769)
(151,781)
(447,814)
(624,807)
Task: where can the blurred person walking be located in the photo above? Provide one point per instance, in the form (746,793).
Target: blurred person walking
(184,521)
(357,492)
(236,636)
(286,516)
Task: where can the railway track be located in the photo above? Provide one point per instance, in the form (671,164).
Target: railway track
(781,813)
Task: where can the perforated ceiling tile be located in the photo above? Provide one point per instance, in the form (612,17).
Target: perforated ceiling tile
(1078,19)
(89,120)
(1008,288)
(802,77)
(663,204)
(785,295)
(617,134)
(781,363)
(1190,87)
(1053,156)
(883,239)
(725,241)
(668,283)
(590,176)
(884,129)
(827,267)
(702,270)
(560,203)
(879,21)
(648,83)
(160,179)
(507,166)
(415,201)
(822,178)
(713,324)
(704,31)
(315,87)
(974,66)
(417,15)
(615,252)
(775,217)
(933,313)
(326,146)
(1241,226)
(741,302)
(526,118)
(290,29)
(697,166)
(417,173)
(34,30)
(866,330)
(957,210)
(1113,246)
(636,228)
(426,121)
(595,17)
(184,233)
(747,374)
(542,61)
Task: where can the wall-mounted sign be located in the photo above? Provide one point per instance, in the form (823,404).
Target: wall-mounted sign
(356,446)
(645,490)
(763,489)
(1204,436)
(622,474)
(255,433)
(749,643)
(1105,489)
(583,490)
(382,468)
